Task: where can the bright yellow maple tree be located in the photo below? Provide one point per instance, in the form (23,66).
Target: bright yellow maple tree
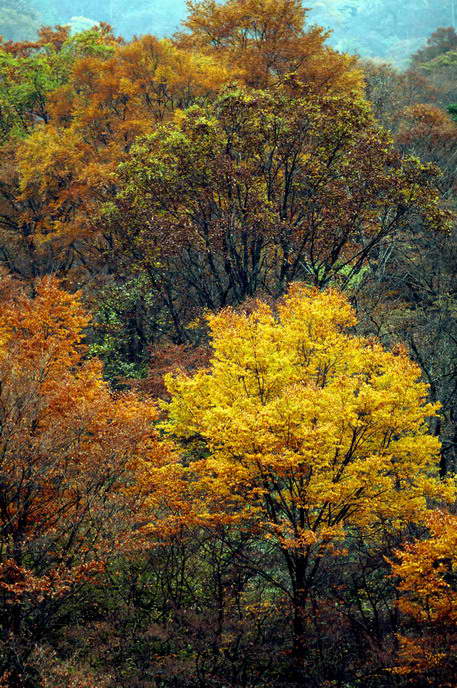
(308,431)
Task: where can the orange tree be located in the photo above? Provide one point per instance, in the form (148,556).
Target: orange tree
(308,433)
(429,132)
(30,72)
(267,39)
(69,450)
(70,110)
(426,571)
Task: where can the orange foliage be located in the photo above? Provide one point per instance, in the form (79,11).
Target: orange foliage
(430,127)
(67,166)
(69,449)
(443,40)
(427,570)
(53,37)
(170,358)
(267,40)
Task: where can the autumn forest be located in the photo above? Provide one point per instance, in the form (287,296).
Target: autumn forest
(228,356)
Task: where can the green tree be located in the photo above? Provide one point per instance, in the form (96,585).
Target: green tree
(261,188)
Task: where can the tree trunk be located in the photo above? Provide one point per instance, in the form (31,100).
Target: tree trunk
(299,649)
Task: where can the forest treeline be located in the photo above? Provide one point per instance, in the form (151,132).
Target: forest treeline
(228,345)
(385,29)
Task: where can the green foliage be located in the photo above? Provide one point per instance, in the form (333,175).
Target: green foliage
(125,322)
(452,109)
(25,83)
(448,59)
(86,39)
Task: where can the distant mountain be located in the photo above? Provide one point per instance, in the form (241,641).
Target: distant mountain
(387,29)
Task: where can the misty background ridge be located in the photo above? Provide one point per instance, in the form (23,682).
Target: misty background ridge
(385,29)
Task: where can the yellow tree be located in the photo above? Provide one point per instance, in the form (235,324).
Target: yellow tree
(309,432)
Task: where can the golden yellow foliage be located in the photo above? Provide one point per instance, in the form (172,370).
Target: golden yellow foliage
(312,428)
(308,432)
